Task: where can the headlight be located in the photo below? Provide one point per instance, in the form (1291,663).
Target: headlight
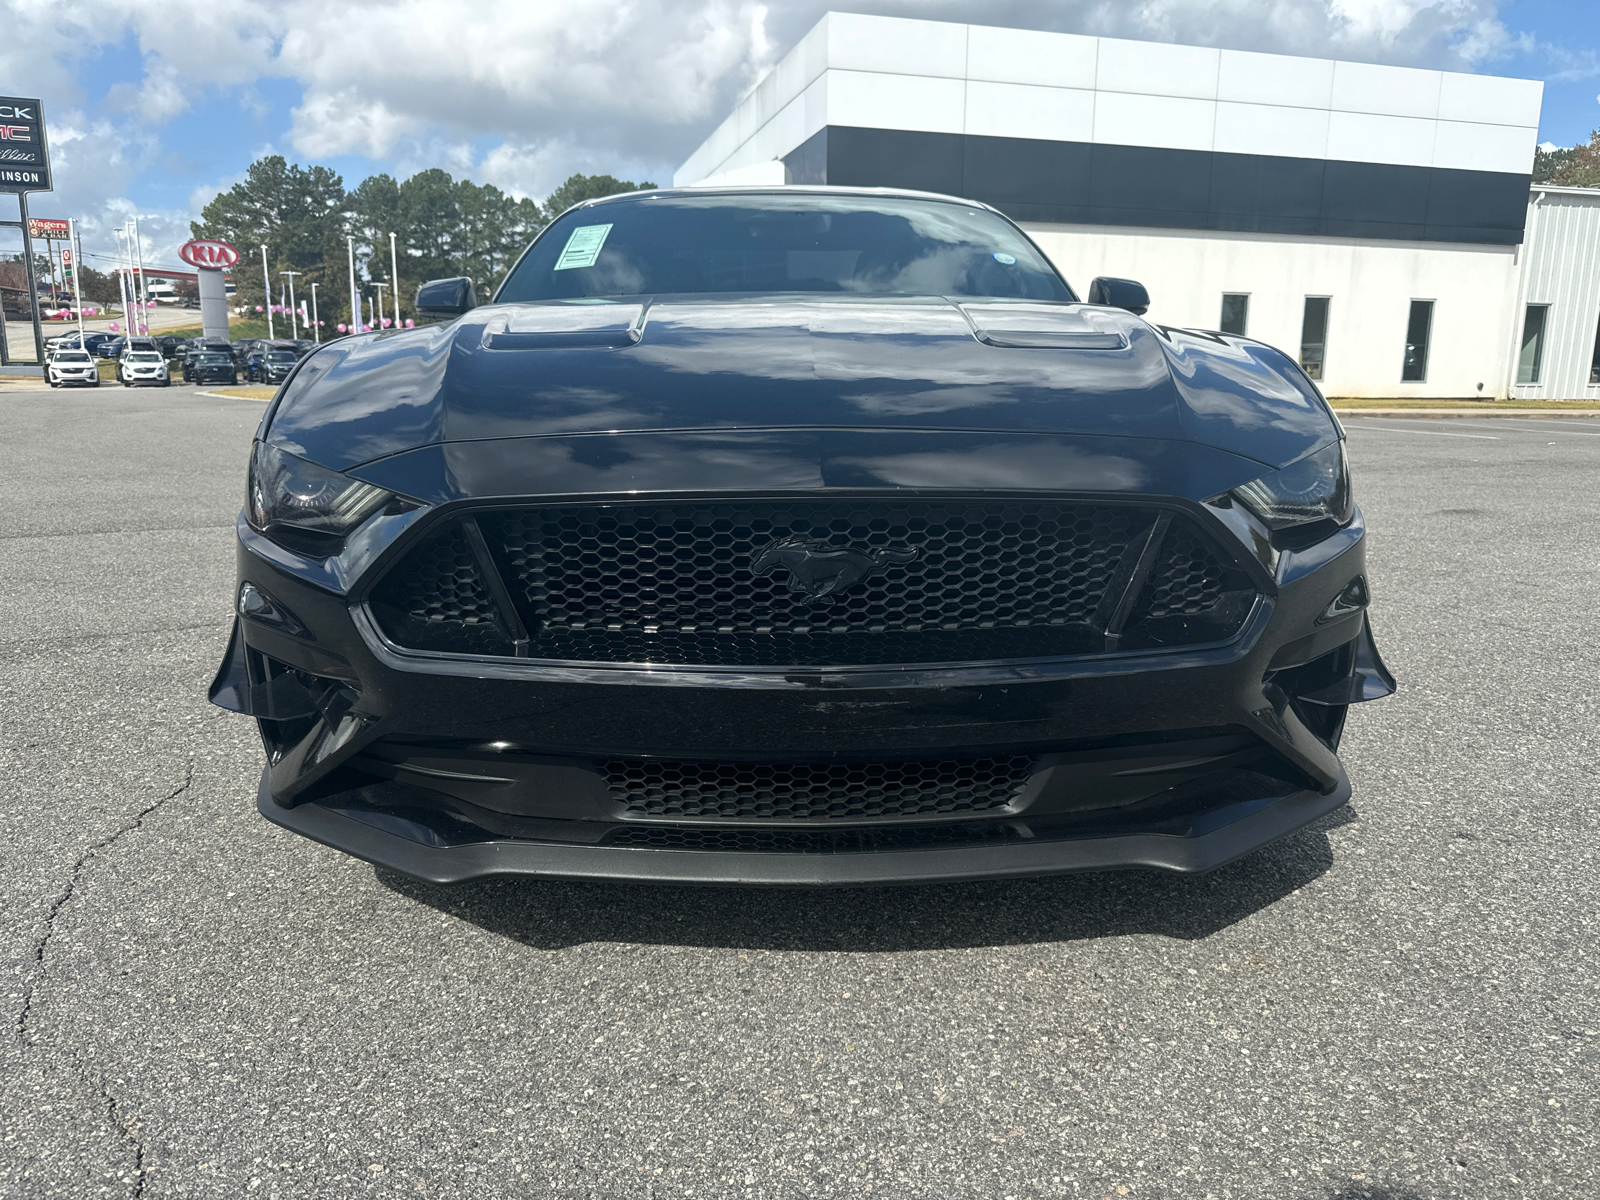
(304,506)
(1316,488)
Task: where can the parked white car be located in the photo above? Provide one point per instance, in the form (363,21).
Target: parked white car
(142,366)
(72,366)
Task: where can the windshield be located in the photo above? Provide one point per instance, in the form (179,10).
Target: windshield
(213,360)
(782,242)
(72,356)
(141,356)
(281,356)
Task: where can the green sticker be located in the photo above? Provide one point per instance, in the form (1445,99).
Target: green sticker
(583,247)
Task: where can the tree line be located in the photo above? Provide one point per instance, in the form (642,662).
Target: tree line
(1572,166)
(443,226)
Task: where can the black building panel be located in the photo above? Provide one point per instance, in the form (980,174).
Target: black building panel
(1142,177)
(1483,199)
(1263,187)
(1376,194)
(928,162)
(1027,171)
(1079,183)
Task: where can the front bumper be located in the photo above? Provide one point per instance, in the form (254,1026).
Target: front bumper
(416,842)
(450,769)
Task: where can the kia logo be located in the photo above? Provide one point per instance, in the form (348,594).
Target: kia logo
(202,252)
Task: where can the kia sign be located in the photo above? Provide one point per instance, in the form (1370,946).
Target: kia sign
(24,154)
(203,252)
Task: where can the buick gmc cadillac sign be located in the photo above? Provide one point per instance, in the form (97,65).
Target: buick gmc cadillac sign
(24,154)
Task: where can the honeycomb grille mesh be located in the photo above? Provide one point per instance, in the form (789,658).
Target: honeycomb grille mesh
(864,840)
(677,584)
(439,601)
(715,583)
(816,791)
(1188,579)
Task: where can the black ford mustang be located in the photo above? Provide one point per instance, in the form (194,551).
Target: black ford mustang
(797,536)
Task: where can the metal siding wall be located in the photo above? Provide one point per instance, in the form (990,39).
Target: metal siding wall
(1563,271)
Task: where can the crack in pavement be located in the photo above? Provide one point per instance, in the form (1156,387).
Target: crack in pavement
(129,1131)
(41,945)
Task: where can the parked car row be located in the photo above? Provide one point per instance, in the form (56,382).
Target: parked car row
(150,360)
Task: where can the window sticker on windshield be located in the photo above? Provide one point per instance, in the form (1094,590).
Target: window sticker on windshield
(583,247)
(1000,256)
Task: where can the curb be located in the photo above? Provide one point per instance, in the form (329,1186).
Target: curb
(1466,412)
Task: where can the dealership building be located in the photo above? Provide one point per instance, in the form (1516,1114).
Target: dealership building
(1377,222)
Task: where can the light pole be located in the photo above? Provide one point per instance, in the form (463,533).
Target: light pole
(380,287)
(316,323)
(294,329)
(266,290)
(394,278)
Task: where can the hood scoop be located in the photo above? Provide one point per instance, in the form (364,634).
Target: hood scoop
(565,327)
(1040,327)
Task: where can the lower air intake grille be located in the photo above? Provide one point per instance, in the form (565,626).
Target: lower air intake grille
(816,841)
(811,791)
(837,582)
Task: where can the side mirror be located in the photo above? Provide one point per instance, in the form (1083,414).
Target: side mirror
(1120,293)
(446,297)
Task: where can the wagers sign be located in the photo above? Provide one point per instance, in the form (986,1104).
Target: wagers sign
(203,252)
(24,154)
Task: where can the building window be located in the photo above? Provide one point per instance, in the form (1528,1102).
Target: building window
(1415,367)
(1528,362)
(1314,337)
(1235,312)
(1594,361)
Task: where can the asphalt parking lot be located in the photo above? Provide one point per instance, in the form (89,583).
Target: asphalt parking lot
(1401,1003)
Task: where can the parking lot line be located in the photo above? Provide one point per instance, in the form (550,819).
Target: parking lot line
(1390,428)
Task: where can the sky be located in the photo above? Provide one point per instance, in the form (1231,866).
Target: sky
(154,106)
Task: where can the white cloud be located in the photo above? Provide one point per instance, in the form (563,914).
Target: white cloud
(514,68)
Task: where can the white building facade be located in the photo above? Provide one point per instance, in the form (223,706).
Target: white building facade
(1373,221)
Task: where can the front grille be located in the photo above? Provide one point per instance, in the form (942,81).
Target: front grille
(807,582)
(812,791)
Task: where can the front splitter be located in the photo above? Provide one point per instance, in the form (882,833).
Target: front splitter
(451,864)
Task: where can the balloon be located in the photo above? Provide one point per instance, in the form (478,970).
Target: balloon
(115,328)
(387,322)
(258,308)
(341,326)
(410,324)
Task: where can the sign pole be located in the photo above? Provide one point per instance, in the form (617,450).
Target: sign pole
(394,278)
(33,282)
(294,329)
(144,284)
(77,274)
(316,322)
(355,294)
(266,292)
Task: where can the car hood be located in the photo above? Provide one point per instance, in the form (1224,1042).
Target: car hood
(681,365)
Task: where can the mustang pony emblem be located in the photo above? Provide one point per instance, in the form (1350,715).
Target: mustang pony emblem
(821,569)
